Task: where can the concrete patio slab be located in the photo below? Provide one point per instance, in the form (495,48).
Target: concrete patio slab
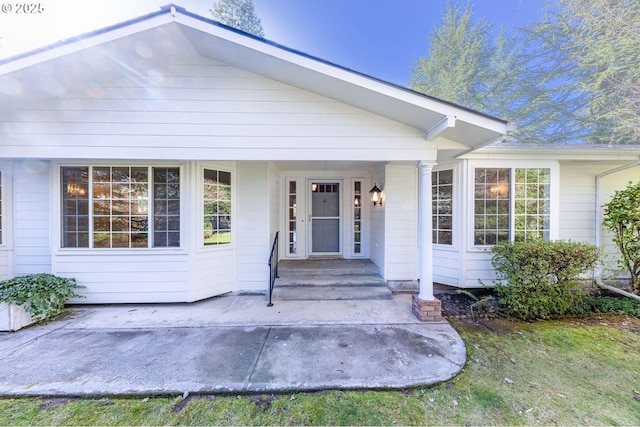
(231,344)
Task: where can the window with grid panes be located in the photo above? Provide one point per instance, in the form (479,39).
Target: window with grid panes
(494,191)
(217,207)
(442,201)
(120,206)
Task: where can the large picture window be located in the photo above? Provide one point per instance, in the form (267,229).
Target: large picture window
(442,199)
(120,207)
(498,191)
(217,207)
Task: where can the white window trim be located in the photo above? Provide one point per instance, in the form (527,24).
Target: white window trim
(364,218)
(457,206)
(554,168)
(56,209)
(198,225)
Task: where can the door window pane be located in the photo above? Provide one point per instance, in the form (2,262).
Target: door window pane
(292,215)
(357,217)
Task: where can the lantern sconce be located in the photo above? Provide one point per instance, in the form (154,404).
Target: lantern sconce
(376,195)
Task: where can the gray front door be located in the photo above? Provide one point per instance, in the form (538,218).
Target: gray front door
(325,217)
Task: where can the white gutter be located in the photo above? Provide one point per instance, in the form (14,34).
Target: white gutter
(598,230)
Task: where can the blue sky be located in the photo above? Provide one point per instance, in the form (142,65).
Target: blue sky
(381,38)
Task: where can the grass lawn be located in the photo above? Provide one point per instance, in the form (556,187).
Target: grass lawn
(569,372)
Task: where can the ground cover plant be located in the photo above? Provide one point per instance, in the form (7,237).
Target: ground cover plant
(42,295)
(572,371)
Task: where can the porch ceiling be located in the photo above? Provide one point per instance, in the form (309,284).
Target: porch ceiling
(339,166)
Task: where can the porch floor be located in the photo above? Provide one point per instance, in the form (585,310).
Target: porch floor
(329,279)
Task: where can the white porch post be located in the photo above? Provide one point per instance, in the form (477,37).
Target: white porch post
(425,305)
(425,238)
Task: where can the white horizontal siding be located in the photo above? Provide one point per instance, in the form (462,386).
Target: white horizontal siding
(197,111)
(212,273)
(377,226)
(6,220)
(253,226)
(446,266)
(477,269)
(31,238)
(401,222)
(6,263)
(276,210)
(126,277)
(577,201)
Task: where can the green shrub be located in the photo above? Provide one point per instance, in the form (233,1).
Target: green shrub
(615,305)
(41,295)
(537,279)
(622,216)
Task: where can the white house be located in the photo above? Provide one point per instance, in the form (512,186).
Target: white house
(155,161)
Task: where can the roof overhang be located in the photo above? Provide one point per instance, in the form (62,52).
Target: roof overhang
(139,48)
(561,152)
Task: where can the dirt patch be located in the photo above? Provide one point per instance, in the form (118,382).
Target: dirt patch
(262,401)
(468,308)
(467,303)
(53,402)
(621,322)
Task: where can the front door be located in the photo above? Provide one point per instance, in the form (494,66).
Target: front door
(325,218)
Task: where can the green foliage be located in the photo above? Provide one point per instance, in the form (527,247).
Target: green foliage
(485,304)
(622,216)
(537,279)
(583,55)
(41,295)
(468,66)
(571,77)
(615,305)
(238,14)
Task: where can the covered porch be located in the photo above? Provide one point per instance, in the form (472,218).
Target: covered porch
(328,210)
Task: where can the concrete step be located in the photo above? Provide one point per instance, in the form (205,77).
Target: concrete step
(328,281)
(327,267)
(323,293)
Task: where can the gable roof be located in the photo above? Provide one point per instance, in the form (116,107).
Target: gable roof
(144,44)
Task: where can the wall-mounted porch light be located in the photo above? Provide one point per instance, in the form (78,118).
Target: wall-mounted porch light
(376,195)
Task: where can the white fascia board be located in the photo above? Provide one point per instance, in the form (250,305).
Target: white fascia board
(551,153)
(84,43)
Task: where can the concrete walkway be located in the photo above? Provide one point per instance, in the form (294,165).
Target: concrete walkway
(230,344)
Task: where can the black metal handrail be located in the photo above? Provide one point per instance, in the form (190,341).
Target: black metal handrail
(273,267)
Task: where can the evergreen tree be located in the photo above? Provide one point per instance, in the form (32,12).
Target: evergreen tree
(238,14)
(469,66)
(585,56)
